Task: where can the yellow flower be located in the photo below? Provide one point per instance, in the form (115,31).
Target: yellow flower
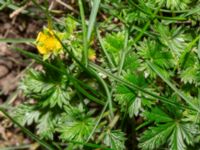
(47,42)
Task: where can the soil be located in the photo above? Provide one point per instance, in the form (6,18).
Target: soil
(12,66)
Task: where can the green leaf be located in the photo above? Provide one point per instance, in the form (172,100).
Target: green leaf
(34,83)
(92,19)
(115,139)
(75,124)
(130,99)
(70,25)
(183,135)
(26,114)
(156,136)
(158,115)
(190,75)
(131,62)
(154,52)
(114,42)
(174,39)
(45,88)
(58,97)
(135,107)
(174,4)
(124,96)
(45,126)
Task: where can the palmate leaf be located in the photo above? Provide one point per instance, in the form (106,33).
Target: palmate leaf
(57,96)
(129,99)
(35,83)
(115,139)
(131,62)
(75,124)
(114,42)
(174,39)
(157,115)
(26,114)
(174,4)
(47,89)
(131,16)
(152,51)
(76,130)
(182,132)
(156,136)
(171,130)
(177,134)
(190,75)
(45,126)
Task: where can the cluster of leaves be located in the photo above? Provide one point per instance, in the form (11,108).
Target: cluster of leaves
(147,65)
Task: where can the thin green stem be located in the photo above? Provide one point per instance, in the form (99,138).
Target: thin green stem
(135,87)
(108,94)
(72,79)
(183,96)
(98,121)
(84,29)
(110,62)
(34,137)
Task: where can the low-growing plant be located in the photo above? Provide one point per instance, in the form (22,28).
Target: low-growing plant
(127,78)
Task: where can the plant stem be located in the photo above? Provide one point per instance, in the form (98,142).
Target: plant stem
(84,28)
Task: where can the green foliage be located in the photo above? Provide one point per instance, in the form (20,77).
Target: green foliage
(114,42)
(115,139)
(142,85)
(174,38)
(152,51)
(48,92)
(26,114)
(75,124)
(46,126)
(132,100)
(174,4)
(169,128)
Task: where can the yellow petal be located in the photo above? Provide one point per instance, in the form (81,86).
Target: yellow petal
(47,43)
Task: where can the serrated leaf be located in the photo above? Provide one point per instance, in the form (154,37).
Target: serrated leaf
(26,114)
(174,39)
(115,139)
(45,126)
(156,136)
(129,99)
(70,25)
(34,83)
(124,96)
(158,115)
(190,75)
(46,89)
(152,51)
(76,130)
(75,124)
(181,135)
(131,62)
(114,42)
(174,4)
(135,107)
(58,97)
